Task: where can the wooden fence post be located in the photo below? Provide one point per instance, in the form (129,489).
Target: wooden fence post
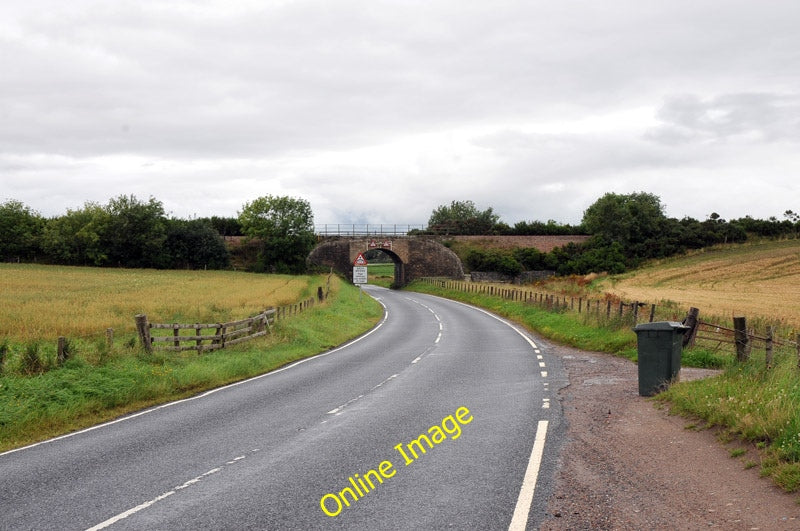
(693,322)
(636,312)
(621,308)
(109,337)
(144,332)
(740,338)
(652,312)
(769,341)
(797,339)
(61,356)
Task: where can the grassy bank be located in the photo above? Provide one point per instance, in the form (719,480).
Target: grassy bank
(749,401)
(83,392)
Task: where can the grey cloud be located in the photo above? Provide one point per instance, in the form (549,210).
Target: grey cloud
(236,92)
(753,116)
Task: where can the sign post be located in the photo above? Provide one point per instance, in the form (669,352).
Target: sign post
(360,272)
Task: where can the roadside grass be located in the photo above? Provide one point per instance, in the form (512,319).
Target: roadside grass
(748,401)
(587,331)
(80,394)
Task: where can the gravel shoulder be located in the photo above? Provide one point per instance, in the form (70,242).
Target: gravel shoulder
(628,464)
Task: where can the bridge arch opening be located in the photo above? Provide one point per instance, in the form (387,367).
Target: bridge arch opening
(377,257)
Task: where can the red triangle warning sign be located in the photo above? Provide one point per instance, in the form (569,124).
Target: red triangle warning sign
(360,260)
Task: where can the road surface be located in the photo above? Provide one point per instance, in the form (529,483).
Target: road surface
(443,416)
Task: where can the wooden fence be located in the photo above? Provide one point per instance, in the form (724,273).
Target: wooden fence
(635,311)
(204,337)
(711,336)
(741,338)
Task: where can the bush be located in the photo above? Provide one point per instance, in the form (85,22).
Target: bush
(493,260)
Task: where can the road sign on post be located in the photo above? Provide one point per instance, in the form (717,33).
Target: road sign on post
(360,270)
(359,274)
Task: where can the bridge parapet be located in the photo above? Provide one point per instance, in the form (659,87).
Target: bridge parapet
(359,230)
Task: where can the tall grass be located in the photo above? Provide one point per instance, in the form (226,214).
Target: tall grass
(80,394)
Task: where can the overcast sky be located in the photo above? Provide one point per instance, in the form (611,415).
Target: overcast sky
(380,111)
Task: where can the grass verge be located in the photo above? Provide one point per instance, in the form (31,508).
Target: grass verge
(584,331)
(80,394)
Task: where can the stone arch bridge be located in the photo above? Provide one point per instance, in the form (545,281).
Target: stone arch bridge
(414,256)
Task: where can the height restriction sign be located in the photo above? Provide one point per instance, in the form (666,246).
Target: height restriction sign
(360,270)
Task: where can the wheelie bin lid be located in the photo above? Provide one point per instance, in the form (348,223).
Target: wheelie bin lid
(662,326)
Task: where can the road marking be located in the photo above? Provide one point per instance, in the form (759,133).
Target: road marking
(145,505)
(520,519)
(545,403)
(338,410)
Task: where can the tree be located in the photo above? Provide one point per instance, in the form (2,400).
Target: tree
(20,230)
(462,217)
(636,221)
(74,239)
(285,227)
(135,233)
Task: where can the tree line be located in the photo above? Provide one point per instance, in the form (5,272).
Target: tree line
(625,230)
(129,232)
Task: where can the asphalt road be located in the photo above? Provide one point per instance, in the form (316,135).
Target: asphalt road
(333,442)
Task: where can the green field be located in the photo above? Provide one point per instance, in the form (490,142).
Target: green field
(381,274)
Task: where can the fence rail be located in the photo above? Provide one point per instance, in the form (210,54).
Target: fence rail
(204,337)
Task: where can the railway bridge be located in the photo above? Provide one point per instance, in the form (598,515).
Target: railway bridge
(414,256)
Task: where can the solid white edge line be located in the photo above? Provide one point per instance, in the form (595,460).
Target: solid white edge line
(207,393)
(520,519)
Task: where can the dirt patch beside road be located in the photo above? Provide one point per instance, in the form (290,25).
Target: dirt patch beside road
(627,464)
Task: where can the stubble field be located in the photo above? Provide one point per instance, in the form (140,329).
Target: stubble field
(759,280)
